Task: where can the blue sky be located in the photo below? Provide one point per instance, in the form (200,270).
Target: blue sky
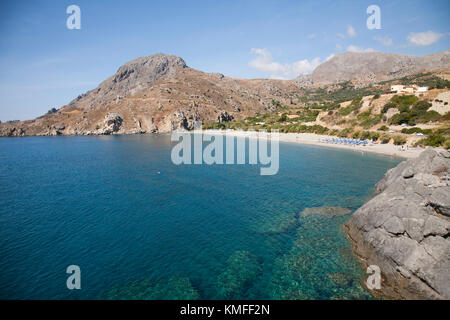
(44,65)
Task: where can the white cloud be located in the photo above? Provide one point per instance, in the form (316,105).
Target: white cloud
(264,62)
(424,38)
(351,31)
(275,77)
(303,66)
(330,56)
(386,41)
(340,35)
(312,36)
(353,48)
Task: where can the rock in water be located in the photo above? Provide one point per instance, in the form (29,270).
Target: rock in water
(277,223)
(315,267)
(404,228)
(328,212)
(175,288)
(242,269)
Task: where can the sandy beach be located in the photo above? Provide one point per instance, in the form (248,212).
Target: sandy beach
(315,139)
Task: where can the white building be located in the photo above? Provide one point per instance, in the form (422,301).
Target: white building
(397,87)
(408,89)
(422,89)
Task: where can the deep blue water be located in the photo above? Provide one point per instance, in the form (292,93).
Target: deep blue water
(141,227)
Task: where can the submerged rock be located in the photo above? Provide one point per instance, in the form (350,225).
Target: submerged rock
(277,223)
(241,271)
(314,267)
(328,212)
(175,288)
(404,229)
(341,279)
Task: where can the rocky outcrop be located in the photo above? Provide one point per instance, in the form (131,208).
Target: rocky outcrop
(112,123)
(11,131)
(224,117)
(404,229)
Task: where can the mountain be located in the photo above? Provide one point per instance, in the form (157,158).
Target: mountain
(132,78)
(372,67)
(160,93)
(157,93)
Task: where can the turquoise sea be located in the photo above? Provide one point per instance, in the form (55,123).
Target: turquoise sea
(140,227)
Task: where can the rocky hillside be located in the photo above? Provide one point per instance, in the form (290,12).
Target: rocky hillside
(132,78)
(374,67)
(404,229)
(160,93)
(157,93)
(372,113)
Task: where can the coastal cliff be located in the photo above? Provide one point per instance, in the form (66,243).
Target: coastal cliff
(404,229)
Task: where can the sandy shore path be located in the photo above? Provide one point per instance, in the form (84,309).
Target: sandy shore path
(315,139)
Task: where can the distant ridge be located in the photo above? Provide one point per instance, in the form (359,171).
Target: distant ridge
(372,67)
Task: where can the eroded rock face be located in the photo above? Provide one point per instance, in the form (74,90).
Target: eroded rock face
(112,123)
(184,120)
(11,132)
(404,229)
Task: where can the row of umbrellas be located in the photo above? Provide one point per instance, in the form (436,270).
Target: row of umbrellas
(344,141)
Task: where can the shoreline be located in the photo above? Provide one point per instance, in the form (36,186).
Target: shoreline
(314,139)
(300,138)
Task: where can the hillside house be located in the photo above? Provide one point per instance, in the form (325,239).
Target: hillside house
(422,89)
(399,88)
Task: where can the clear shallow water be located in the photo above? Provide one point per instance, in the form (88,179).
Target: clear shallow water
(140,227)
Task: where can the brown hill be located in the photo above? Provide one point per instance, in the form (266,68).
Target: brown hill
(157,93)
